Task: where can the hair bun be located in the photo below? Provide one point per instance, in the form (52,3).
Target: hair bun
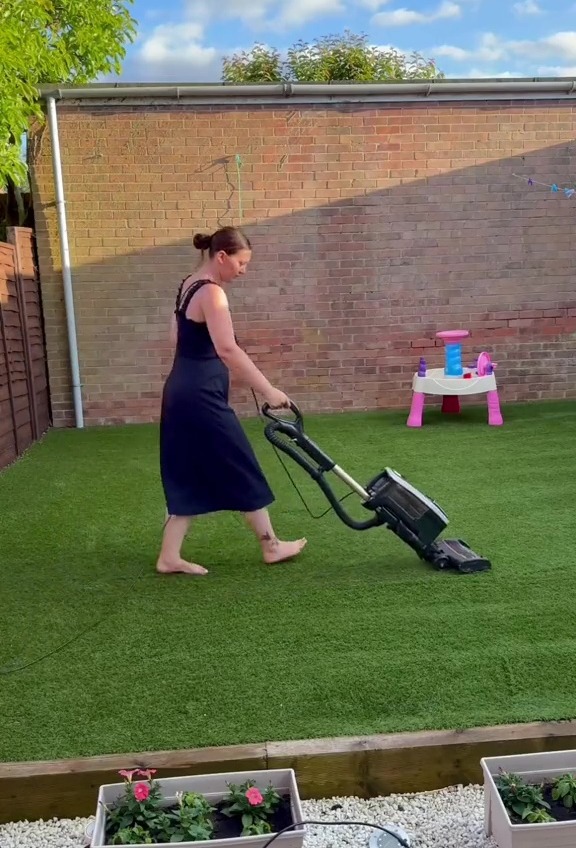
(202,241)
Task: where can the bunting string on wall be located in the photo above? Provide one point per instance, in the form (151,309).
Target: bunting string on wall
(567,192)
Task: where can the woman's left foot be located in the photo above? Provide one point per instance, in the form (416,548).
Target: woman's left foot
(180,566)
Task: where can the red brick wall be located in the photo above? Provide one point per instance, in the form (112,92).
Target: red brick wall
(373,226)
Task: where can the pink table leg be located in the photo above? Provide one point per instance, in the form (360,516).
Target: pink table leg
(494,415)
(416,410)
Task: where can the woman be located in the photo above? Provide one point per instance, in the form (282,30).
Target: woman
(207,463)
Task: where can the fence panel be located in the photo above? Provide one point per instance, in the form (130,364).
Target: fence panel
(24,393)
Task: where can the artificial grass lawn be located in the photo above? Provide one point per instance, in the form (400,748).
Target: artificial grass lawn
(358,636)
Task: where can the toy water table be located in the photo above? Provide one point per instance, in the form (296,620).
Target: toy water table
(454,380)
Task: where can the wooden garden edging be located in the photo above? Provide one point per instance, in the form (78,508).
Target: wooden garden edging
(365,766)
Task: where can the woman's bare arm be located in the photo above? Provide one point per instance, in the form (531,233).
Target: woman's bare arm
(214,305)
(173,331)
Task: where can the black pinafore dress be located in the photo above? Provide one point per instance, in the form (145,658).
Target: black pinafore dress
(207,463)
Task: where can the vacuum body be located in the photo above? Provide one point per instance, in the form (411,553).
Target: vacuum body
(391,501)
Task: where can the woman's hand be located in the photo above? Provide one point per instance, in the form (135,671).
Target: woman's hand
(276,399)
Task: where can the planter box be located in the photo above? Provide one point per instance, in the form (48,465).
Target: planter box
(214,787)
(534,768)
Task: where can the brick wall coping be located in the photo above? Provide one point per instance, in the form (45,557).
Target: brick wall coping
(522,88)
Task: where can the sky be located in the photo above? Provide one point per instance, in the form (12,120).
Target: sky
(185,40)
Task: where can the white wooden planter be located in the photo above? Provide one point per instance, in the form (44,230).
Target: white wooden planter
(533,768)
(214,787)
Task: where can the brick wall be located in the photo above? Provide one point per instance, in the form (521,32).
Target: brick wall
(373,226)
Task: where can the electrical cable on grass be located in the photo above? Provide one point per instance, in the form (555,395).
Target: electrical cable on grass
(7,668)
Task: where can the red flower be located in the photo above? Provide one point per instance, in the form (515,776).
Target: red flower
(254,796)
(128,774)
(147,773)
(141,791)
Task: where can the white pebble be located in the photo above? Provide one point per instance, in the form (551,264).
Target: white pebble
(446,818)
(54,833)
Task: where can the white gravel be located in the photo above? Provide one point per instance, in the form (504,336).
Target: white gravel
(447,818)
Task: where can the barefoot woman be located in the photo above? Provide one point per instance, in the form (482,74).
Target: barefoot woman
(207,463)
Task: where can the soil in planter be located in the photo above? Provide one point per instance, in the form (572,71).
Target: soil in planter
(227,827)
(557,808)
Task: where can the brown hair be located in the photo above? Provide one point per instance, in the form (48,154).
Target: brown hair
(229,239)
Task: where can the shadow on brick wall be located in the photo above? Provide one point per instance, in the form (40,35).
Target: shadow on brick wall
(342,297)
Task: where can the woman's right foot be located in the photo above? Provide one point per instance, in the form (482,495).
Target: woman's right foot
(277,551)
(180,566)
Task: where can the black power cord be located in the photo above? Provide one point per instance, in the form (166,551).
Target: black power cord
(403,842)
(9,667)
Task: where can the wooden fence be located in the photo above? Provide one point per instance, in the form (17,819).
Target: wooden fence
(24,393)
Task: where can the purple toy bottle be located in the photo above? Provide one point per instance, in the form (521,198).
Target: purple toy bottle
(422,367)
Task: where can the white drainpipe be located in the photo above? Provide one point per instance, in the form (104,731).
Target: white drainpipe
(65,255)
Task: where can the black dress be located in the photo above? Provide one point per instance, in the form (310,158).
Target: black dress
(207,463)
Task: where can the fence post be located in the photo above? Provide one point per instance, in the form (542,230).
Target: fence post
(4,340)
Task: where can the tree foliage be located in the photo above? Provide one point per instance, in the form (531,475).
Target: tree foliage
(46,42)
(333,58)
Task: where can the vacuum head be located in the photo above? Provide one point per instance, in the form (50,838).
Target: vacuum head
(418,521)
(455,554)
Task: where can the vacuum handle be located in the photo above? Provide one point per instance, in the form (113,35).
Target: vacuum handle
(267,411)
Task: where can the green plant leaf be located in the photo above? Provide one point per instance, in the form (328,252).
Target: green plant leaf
(332,58)
(52,42)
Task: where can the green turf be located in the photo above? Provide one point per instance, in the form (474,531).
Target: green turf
(357,637)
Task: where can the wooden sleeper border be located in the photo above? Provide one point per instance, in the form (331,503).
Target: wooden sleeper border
(362,766)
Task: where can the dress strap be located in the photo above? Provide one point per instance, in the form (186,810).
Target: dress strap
(184,302)
(179,295)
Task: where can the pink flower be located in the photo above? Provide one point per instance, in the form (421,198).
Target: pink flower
(147,773)
(141,791)
(254,796)
(128,774)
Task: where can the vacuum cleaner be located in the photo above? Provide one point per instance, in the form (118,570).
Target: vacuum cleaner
(391,500)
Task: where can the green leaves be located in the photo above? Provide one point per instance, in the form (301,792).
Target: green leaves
(333,58)
(564,789)
(527,802)
(254,807)
(261,64)
(44,42)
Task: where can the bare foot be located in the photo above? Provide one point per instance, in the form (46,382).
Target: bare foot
(164,567)
(277,551)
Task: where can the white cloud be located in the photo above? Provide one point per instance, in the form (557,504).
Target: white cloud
(177,49)
(481,73)
(264,14)
(373,5)
(298,12)
(491,48)
(406,17)
(247,11)
(527,7)
(557,71)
